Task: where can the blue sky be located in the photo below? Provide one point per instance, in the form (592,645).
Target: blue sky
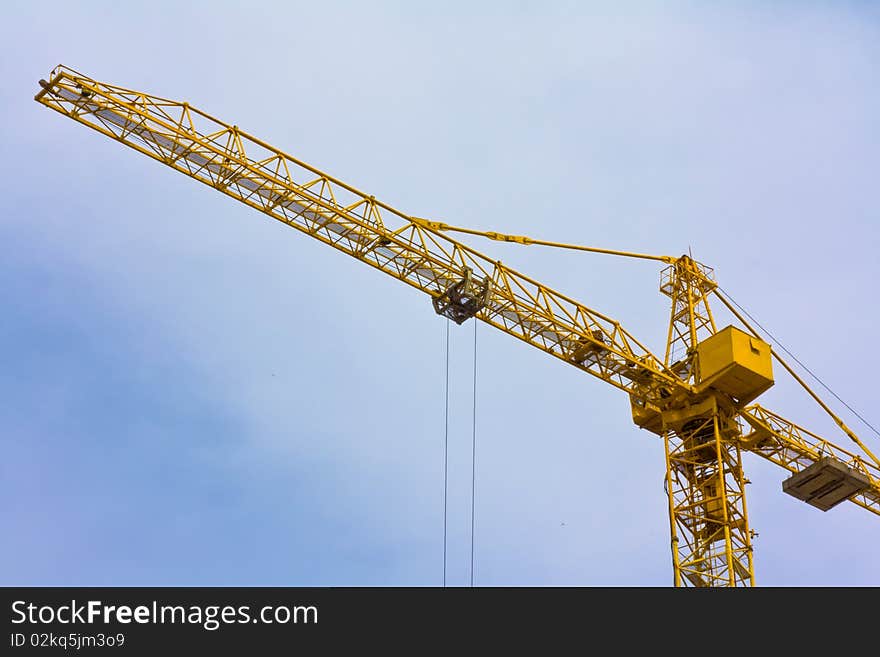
(193,394)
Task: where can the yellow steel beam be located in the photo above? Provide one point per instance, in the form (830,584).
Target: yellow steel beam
(522,239)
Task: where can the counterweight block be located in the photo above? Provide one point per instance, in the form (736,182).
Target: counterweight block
(826,483)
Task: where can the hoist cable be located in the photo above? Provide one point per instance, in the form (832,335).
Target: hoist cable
(446,456)
(474,455)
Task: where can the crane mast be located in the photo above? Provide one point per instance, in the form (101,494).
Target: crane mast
(697,398)
(711,540)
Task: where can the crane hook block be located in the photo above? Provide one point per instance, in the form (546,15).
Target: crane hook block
(464,299)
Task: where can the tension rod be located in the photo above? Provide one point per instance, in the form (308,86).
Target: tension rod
(522,239)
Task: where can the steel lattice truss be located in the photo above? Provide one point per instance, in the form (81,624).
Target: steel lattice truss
(706,488)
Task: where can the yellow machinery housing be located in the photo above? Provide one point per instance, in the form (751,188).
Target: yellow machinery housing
(734,363)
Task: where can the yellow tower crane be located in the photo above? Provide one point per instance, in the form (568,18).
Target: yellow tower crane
(698,399)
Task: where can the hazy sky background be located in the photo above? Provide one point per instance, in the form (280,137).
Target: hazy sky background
(194,394)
